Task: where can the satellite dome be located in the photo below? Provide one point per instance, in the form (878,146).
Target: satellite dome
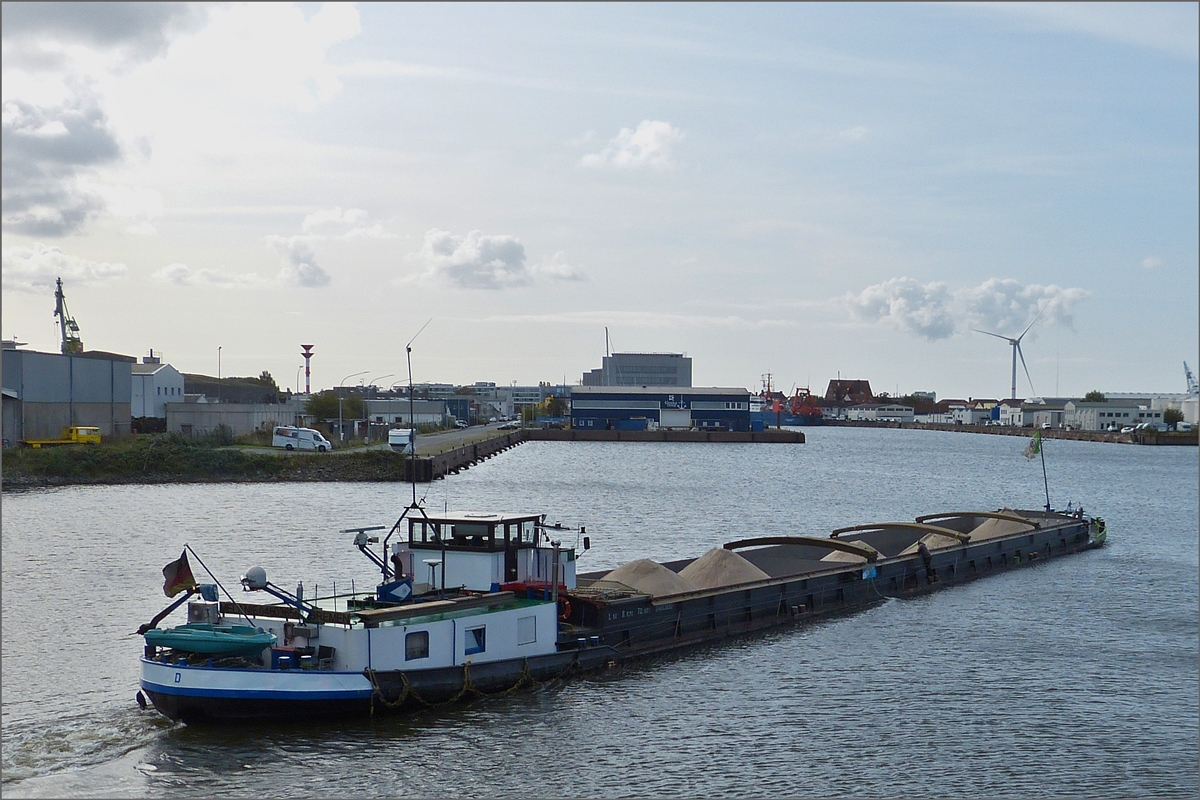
(255,578)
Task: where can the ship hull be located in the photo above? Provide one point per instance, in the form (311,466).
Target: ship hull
(770,419)
(199,695)
(639,624)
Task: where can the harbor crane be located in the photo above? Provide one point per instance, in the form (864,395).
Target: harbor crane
(1192,388)
(71,343)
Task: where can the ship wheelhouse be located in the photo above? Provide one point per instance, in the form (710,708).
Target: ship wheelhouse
(483,551)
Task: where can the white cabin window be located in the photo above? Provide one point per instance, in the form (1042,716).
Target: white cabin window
(416,645)
(526,630)
(474,641)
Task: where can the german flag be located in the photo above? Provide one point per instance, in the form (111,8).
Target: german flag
(178,576)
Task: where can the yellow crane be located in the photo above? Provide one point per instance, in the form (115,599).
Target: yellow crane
(71,343)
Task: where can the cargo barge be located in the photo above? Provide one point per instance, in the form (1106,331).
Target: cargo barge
(475,603)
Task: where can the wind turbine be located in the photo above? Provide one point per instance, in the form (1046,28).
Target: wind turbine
(1016,346)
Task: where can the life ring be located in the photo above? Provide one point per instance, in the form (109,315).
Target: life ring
(566,609)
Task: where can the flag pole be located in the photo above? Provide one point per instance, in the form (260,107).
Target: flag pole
(236,604)
(1045,480)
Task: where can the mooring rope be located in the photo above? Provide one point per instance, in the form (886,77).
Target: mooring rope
(524,680)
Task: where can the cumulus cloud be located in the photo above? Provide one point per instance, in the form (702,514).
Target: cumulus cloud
(183,275)
(1151,262)
(556,268)
(334,223)
(933,311)
(649,146)
(474,261)
(48,153)
(485,261)
(135,32)
(300,266)
(34,269)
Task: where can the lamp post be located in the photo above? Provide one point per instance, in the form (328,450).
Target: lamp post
(298,378)
(341,432)
(218,374)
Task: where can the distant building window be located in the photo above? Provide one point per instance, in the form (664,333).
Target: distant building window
(416,645)
(474,641)
(160,391)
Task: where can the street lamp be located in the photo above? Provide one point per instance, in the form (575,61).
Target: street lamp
(298,378)
(218,374)
(341,431)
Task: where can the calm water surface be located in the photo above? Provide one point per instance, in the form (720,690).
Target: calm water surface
(1076,677)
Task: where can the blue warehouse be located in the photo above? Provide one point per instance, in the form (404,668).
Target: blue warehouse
(629,408)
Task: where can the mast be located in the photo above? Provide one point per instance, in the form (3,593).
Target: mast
(412,469)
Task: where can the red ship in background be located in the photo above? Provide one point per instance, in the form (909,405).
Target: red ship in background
(772,407)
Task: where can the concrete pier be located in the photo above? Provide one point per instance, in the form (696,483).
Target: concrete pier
(776,435)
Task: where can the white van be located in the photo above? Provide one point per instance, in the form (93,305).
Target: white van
(300,439)
(401,440)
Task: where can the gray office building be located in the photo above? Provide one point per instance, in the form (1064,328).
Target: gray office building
(642,369)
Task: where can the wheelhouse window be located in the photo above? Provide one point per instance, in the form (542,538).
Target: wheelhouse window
(474,640)
(416,645)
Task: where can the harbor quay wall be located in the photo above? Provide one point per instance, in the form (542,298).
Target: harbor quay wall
(1184,438)
(787,436)
(440,465)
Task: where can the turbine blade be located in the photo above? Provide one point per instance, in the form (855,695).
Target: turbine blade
(998,336)
(1022,354)
(1030,325)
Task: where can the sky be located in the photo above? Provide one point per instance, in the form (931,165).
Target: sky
(808,190)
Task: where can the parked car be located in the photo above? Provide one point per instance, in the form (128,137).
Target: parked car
(290,438)
(1127,429)
(460,423)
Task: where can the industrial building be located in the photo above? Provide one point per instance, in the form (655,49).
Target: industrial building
(640,408)
(46,392)
(193,418)
(642,369)
(396,412)
(880,412)
(1087,416)
(154,385)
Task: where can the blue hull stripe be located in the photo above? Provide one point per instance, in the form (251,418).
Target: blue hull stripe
(256,694)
